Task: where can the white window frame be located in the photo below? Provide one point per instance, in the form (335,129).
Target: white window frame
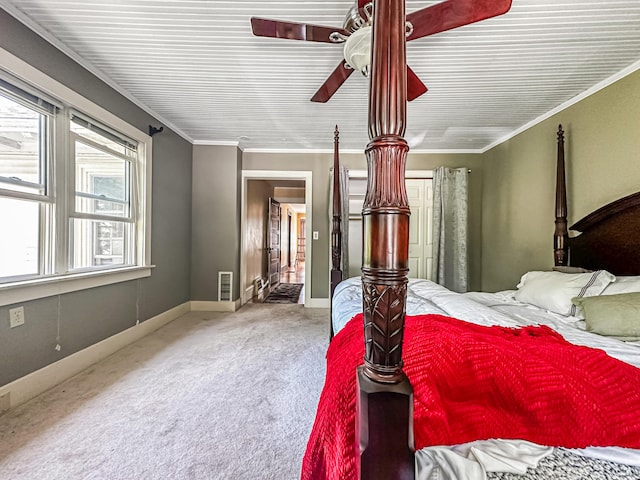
(128,218)
(61,279)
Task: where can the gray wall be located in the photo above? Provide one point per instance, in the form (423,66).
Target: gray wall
(216,209)
(86,317)
(602,163)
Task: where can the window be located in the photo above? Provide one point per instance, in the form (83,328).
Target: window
(74,191)
(101,221)
(25,203)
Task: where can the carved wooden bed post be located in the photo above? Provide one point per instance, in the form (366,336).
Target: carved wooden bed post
(336,231)
(561,236)
(384,418)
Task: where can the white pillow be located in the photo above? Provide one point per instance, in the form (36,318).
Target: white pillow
(623,285)
(565,269)
(554,290)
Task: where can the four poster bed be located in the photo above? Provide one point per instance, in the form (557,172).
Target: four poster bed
(501,379)
(426,383)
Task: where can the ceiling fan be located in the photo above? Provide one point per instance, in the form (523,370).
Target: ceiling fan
(356,34)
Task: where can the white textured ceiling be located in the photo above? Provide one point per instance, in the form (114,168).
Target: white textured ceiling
(196,65)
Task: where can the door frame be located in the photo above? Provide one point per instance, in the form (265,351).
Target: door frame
(289,218)
(307,177)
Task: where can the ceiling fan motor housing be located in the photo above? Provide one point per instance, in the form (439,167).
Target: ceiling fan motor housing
(353,21)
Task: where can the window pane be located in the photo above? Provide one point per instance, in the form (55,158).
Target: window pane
(21,137)
(97,242)
(100,174)
(19,240)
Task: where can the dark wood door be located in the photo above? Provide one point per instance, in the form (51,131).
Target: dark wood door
(273,246)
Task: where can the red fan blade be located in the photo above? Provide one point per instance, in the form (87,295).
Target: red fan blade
(333,83)
(361,4)
(415,87)
(453,13)
(263,27)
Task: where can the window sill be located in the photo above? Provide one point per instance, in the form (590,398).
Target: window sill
(24,291)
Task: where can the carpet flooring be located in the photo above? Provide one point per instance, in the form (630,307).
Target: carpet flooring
(285,293)
(209,396)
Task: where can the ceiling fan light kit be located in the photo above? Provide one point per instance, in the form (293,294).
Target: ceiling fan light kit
(357,50)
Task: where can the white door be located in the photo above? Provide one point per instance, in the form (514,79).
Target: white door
(420,195)
(357,191)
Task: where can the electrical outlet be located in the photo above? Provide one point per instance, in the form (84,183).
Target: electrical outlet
(16,317)
(315,235)
(5,402)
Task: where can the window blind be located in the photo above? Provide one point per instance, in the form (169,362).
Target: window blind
(115,137)
(27,97)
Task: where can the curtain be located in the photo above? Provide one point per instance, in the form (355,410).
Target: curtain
(450,228)
(344,215)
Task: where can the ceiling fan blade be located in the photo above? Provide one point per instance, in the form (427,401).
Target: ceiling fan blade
(415,87)
(453,13)
(361,4)
(263,27)
(332,83)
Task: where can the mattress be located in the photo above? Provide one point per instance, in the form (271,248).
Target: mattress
(475,460)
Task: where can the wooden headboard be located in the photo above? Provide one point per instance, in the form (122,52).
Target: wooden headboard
(609,238)
(606,239)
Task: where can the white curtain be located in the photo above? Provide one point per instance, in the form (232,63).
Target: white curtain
(344,215)
(450,228)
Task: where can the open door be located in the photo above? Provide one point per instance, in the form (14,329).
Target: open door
(273,247)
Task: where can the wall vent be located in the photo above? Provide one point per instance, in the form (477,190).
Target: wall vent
(225,281)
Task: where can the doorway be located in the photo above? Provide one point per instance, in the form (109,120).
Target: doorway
(292,190)
(293,260)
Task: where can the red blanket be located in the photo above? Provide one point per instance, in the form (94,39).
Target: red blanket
(473,382)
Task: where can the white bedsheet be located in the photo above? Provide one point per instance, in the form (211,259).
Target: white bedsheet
(471,461)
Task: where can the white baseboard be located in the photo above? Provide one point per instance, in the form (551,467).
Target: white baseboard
(35,383)
(318,303)
(25,388)
(248,293)
(204,306)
